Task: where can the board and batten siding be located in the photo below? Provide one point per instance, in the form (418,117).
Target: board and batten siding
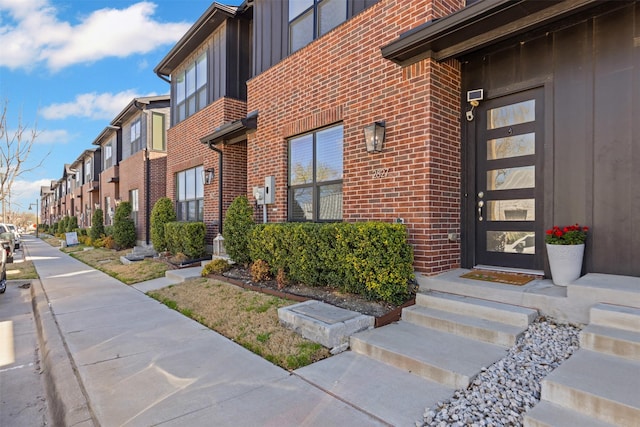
(590,70)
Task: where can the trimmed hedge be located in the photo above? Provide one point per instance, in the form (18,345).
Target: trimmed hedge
(161,214)
(187,238)
(124,229)
(237,228)
(372,259)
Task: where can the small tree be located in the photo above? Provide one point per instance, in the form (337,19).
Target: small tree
(237,227)
(161,214)
(72,224)
(124,229)
(62,225)
(97,227)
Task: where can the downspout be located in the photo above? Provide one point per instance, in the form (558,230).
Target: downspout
(219,185)
(147,196)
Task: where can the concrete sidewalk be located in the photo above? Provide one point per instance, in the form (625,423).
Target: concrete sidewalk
(115,357)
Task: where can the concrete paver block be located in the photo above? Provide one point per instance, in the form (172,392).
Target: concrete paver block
(323,323)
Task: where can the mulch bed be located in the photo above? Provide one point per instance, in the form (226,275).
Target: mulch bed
(383,312)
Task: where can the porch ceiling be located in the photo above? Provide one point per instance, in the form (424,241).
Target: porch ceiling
(479,25)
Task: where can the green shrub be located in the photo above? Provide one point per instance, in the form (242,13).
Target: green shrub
(62,225)
(124,229)
(217,266)
(237,227)
(372,259)
(97,225)
(72,224)
(186,237)
(161,214)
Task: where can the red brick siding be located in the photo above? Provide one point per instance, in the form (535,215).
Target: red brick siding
(184,151)
(342,77)
(108,189)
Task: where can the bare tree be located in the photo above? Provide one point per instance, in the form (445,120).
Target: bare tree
(15,148)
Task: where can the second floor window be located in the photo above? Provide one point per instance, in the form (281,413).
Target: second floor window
(108,155)
(310,19)
(88,173)
(190,195)
(136,140)
(191,89)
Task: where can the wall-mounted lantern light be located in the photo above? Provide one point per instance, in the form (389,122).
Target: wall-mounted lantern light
(374,137)
(208,175)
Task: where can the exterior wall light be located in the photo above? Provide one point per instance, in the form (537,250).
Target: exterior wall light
(374,137)
(208,175)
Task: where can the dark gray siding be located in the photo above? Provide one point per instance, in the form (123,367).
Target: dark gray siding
(271,30)
(591,74)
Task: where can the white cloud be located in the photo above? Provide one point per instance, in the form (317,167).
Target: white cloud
(59,136)
(24,192)
(31,33)
(93,105)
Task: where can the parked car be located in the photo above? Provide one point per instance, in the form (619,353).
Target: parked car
(3,272)
(16,234)
(7,242)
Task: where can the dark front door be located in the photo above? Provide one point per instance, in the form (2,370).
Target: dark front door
(508,181)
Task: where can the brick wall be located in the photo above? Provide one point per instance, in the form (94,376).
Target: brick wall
(109,189)
(342,77)
(185,151)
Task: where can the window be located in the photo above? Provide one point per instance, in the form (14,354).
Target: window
(107,155)
(310,19)
(315,176)
(133,198)
(191,89)
(190,195)
(88,172)
(108,211)
(158,132)
(136,140)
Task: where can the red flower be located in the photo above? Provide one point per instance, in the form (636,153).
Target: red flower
(558,233)
(549,232)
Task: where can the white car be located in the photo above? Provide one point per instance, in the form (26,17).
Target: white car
(16,235)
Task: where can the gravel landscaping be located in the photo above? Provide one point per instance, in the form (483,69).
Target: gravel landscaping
(502,393)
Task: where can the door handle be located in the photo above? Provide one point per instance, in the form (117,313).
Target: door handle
(480,206)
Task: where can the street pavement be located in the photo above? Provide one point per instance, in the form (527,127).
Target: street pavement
(22,394)
(112,356)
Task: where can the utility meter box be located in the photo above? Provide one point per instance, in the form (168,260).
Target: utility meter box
(269,190)
(258,194)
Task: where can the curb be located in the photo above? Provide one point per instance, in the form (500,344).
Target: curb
(67,402)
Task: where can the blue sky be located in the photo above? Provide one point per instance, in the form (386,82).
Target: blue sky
(67,68)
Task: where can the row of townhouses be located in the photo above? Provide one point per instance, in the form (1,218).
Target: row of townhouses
(477,124)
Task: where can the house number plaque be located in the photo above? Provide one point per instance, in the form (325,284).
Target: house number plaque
(380,173)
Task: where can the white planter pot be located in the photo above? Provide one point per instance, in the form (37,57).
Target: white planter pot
(565,262)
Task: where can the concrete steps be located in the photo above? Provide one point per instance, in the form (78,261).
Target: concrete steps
(438,356)
(478,308)
(598,386)
(601,380)
(446,338)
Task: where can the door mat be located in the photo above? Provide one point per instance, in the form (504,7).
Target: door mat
(499,277)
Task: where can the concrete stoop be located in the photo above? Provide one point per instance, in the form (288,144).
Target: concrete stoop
(600,381)
(446,338)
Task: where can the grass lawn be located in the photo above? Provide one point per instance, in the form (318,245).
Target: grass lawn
(246,317)
(22,270)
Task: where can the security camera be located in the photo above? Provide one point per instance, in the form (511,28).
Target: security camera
(470,115)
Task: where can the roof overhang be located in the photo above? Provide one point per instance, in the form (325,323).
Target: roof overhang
(211,19)
(136,105)
(233,132)
(482,24)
